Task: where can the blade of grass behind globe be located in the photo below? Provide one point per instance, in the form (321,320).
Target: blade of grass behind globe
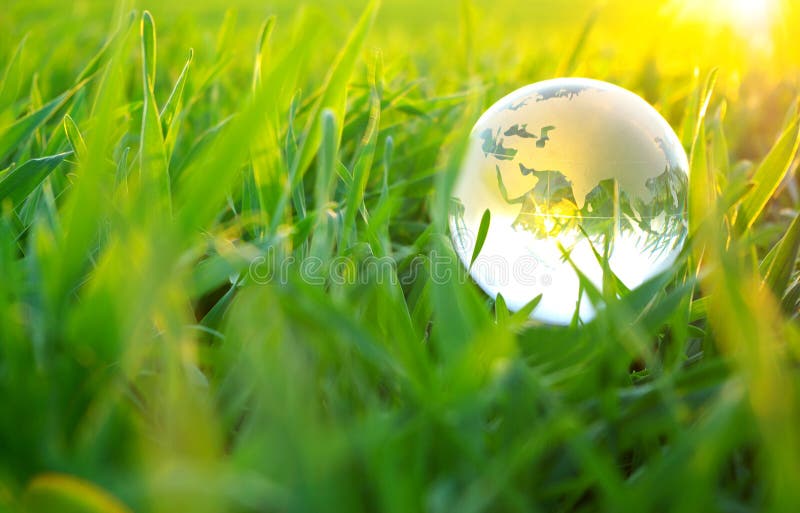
(501,313)
(611,285)
(458,311)
(642,297)
(701,188)
(480,238)
(692,107)
(654,318)
(522,316)
(704,102)
(720,154)
(629,334)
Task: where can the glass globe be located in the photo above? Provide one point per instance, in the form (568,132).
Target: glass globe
(576,167)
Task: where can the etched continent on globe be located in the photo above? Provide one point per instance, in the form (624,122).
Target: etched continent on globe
(573,165)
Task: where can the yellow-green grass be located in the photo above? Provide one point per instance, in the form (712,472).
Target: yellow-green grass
(169,172)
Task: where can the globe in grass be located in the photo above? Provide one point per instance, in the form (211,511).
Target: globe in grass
(574,172)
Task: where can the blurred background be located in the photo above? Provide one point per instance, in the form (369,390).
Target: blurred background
(654,47)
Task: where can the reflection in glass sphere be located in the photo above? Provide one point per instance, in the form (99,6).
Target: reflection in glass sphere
(576,163)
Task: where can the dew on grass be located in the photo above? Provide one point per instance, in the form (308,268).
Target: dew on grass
(569,166)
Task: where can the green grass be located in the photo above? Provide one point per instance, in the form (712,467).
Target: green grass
(155,169)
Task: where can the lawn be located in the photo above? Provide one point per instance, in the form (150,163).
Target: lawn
(193,198)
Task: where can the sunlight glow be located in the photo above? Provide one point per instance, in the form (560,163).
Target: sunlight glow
(748,17)
(749,13)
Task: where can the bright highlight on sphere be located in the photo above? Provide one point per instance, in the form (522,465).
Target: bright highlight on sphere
(577,164)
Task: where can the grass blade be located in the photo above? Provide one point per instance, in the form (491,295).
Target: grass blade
(11,81)
(22,180)
(263,37)
(483,229)
(334,96)
(705,100)
(75,138)
(154,172)
(521,316)
(148,35)
(62,492)
(95,62)
(168,112)
(769,174)
(501,314)
(783,262)
(702,191)
(201,192)
(323,238)
(335,89)
(363,160)
(15,135)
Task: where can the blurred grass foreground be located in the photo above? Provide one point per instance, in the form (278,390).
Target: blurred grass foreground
(152,152)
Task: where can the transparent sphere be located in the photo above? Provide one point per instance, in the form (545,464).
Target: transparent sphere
(572,166)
